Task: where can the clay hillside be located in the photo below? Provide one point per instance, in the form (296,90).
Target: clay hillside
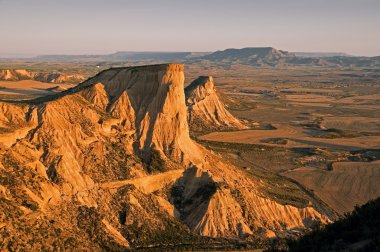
(109,165)
(206,111)
(22,74)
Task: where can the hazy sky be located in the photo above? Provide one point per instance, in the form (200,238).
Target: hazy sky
(106,26)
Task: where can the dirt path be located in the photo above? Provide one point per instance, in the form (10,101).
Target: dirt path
(148,184)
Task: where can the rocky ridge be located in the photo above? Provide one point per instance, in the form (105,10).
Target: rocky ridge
(205,109)
(110,165)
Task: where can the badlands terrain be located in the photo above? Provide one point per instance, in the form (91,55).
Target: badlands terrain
(225,152)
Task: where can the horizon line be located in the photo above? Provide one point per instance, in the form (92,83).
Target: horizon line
(12,55)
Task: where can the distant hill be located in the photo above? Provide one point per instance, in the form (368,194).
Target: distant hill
(357,231)
(256,56)
(268,56)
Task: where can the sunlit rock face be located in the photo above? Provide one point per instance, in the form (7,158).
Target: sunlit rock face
(206,111)
(109,164)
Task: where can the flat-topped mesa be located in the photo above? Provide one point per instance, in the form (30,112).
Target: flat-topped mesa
(148,100)
(155,94)
(206,111)
(73,154)
(116,80)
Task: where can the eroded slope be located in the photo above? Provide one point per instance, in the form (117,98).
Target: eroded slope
(206,111)
(109,164)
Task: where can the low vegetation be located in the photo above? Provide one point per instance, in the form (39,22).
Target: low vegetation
(339,133)
(356,231)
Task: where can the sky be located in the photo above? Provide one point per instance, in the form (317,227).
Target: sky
(35,27)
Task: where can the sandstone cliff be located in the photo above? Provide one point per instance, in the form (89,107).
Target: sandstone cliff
(206,111)
(109,165)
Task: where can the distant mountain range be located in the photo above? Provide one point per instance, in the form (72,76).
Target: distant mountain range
(251,56)
(268,56)
(254,56)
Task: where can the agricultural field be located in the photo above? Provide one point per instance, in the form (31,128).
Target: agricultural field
(346,185)
(319,128)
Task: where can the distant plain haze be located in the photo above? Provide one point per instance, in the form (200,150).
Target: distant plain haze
(36,27)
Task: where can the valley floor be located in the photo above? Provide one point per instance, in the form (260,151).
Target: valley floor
(316,127)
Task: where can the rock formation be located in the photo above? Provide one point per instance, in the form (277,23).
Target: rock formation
(22,74)
(206,111)
(109,165)
(59,78)
(16,74)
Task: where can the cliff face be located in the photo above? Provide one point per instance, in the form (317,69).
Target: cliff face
(152,97)
(109,164)
(206,111)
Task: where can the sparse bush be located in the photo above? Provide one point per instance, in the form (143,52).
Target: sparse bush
(156,163)
(28,204)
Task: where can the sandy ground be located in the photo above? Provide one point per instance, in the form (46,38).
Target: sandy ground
(296,136)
